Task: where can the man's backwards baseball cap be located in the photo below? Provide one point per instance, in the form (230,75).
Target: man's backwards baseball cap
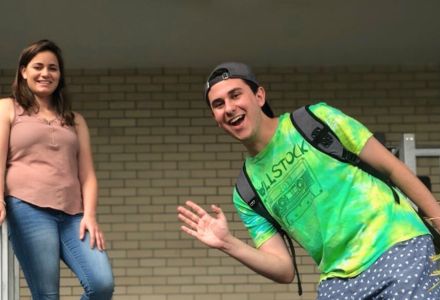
(228,70)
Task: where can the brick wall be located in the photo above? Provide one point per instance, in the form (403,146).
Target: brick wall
(155,145)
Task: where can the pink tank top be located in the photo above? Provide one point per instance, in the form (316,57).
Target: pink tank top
(42,163)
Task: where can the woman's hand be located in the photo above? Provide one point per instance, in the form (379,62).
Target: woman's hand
(96,236)
(212,231)
(2,211)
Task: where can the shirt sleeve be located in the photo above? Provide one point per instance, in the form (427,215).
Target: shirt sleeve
(352,133)
(260,230)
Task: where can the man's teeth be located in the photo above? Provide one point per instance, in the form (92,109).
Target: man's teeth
(236,119)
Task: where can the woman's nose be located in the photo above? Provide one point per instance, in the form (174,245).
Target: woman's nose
(45,72)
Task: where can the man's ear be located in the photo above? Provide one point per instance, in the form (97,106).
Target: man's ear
(261,96)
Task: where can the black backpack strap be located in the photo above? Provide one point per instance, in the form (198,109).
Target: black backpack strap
(250,196)
(322,137)
(247,192)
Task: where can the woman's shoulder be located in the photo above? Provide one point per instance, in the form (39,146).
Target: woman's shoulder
(78,117)
(79,120)
(7,109)
(7,103)
(9,100)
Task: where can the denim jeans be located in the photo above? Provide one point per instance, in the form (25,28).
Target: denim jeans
(41,237)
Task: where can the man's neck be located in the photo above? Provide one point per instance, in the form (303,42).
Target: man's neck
(266,131)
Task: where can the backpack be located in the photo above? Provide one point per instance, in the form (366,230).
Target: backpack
(320,136)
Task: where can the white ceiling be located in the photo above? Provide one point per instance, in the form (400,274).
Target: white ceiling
(201,33)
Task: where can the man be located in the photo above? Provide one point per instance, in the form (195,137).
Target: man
(366,245)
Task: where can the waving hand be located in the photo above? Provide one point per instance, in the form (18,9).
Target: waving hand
(210,230)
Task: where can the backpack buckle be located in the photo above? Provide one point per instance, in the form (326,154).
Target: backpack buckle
(350,157)
(322,136)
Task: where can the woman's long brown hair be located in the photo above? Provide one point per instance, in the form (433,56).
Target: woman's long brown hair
(24,96)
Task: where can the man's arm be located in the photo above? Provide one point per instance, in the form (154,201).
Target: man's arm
(385,162)
(271,260)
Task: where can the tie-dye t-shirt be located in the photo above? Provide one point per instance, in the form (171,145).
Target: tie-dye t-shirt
(343,217)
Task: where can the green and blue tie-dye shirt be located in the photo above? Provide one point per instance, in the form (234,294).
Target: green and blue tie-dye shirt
(343,217)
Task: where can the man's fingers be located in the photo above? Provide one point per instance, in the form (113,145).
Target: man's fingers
(189,214)
(188,231)
(196,208)
(216,209)
(187,220)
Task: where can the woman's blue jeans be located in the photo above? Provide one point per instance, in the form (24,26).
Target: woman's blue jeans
(41,237)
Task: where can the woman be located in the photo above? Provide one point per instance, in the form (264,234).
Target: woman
(50,183)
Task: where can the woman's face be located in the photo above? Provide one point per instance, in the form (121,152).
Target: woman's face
(42,74)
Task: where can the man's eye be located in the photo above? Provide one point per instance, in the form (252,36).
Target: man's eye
(217,104)
(235,95)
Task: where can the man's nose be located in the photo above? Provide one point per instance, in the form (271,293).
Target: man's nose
(230,106)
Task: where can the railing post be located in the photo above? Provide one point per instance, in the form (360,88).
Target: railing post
(9,270)
(408,152)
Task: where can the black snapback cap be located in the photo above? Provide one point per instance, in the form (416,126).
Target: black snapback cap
(228,70)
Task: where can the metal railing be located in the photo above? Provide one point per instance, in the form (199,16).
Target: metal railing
(9,270)
(408,152)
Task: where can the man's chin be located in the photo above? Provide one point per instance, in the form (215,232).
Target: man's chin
(238,135)
(241,138)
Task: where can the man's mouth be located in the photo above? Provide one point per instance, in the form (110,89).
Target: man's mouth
(237,120)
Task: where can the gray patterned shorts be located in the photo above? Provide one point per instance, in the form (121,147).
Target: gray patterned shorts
(401,273)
